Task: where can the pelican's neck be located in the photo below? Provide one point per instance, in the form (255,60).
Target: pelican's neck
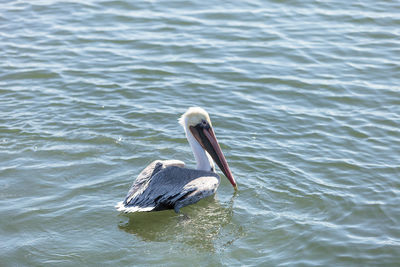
(203,159)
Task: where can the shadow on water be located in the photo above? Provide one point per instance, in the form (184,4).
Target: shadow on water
(206,225)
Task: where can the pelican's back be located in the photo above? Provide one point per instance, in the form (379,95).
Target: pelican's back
(166,185)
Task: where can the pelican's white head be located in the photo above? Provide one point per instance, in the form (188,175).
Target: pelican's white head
(194,116)
(201,137)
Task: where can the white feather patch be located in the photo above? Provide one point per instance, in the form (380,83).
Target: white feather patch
(193,116)
(121,207)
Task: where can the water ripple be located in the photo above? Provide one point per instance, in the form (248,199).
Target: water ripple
(304,98)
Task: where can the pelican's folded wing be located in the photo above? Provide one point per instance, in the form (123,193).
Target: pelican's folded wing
(169,188)
(147,174)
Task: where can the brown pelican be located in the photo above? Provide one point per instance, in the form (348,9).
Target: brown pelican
(168,184)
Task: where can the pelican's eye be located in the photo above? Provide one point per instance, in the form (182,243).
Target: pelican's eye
(204,124)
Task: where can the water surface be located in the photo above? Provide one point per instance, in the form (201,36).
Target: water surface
(305,101)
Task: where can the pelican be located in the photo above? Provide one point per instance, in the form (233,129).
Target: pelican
(167,184)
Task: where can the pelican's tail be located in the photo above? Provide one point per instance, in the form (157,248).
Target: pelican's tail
(123,208)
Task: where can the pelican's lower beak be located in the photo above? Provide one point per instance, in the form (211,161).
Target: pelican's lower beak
(204,134)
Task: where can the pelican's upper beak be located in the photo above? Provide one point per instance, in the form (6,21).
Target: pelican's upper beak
(204,134)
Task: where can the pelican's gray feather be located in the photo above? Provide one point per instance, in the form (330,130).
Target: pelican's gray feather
(167,185)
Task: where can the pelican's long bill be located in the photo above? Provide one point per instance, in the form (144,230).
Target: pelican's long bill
(204,134)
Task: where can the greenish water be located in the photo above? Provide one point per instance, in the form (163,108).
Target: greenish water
(305,101)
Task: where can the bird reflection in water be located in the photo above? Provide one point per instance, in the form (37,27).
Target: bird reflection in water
(207,226)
